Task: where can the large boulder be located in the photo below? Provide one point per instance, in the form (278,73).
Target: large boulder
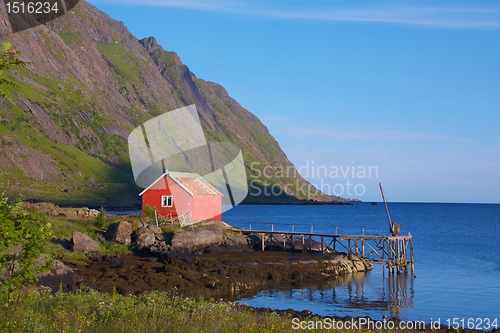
(237,243)
(45,207)
(343,263)
(78,212)
(57,275)
(82,212)
(197,240)
(93,213)
(68,212)
(154,228)
(232,243)
(120,232)
(83,243)
(145,237)
(157,231)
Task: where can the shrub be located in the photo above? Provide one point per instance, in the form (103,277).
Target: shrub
(23,239)
(149,211)
(8,58)
(101,221)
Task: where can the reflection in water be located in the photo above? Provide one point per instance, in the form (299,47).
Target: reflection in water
(400,291)
(358,294)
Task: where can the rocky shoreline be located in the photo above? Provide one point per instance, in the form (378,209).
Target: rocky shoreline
(218,275)
(211,260)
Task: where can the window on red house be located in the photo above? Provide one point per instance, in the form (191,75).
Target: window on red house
(166,201)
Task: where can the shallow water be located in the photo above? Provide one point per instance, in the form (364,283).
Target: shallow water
(457,261)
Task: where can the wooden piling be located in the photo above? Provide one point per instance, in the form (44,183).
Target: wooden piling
(411,257)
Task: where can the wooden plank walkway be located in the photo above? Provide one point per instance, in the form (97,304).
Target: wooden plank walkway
(395,251)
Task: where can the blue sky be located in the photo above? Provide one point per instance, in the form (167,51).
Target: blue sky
(411,87)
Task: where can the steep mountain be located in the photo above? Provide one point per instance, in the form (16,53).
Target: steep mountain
(89,83)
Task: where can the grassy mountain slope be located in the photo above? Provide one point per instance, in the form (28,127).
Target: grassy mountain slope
(89,83)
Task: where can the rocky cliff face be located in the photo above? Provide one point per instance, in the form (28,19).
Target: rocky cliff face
(89,83)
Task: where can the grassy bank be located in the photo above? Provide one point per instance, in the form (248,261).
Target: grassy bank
(41,311)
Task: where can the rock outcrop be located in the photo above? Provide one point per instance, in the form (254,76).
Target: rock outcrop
(83,243)
(189,241)
(230,243)
(145,237)
(78,212)
(157,231)
(60,274)
(120,232)
(150,240)
(54,210)
(344,264)
(232,275)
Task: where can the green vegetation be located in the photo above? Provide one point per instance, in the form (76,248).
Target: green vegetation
(90,169)
(23,239)
(150,211)
(101,221)
(8,58)
(41,311)
(125,61)
(83,178)
(64,227)
(70,36)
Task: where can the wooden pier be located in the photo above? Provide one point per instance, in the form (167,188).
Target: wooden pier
(394,251)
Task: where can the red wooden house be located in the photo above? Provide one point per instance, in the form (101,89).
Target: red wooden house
(177,193)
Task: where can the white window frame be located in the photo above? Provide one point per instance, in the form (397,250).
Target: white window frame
(165,199)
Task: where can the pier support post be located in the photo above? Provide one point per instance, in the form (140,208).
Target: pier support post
(411,257)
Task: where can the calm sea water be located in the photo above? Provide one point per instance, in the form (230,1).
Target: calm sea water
(457,261)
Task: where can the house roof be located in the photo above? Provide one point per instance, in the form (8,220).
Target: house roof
(192,183)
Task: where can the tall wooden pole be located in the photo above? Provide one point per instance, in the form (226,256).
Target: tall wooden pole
(386,208)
